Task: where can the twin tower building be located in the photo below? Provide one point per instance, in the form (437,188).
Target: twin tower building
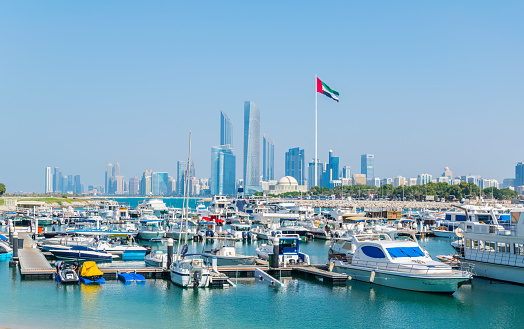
(223,161)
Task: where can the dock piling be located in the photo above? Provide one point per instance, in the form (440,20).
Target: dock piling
(275,254)
(169,252)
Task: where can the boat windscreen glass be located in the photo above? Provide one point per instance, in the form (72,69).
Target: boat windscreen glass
(398,252)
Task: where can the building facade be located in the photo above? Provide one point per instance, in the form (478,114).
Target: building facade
(268,167)
(251,175)
(226,130)
(295,165)
(367,165)
(223,170)
(48,180)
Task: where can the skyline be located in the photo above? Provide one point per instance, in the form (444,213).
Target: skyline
(422,86)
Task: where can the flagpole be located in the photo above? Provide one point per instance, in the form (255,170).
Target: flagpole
(316,132)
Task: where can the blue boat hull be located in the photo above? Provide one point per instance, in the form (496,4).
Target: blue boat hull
(87,281)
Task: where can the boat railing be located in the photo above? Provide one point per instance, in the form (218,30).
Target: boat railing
(408,268)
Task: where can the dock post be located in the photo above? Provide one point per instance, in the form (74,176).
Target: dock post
(275,253)
(15,246)
(11,230)
(169,252)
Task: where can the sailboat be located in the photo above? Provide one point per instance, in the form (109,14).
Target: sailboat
(188,270)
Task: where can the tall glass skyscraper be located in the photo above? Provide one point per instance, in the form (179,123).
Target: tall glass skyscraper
(519,174)
(159,181)
(295,165)
(334,165)
(367,166)
(48,180)
(268,167)
(251,148)
(226,130)
(223,170)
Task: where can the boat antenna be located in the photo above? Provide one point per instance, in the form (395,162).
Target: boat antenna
(186,188)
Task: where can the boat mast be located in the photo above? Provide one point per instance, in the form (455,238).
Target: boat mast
(186,189)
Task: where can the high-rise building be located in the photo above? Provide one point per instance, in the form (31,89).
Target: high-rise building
(70,183)
(251,148)
(118,185)
(311,173)
(145,183)
(180,177)
(134,185)
(519,174)
(268,168)
(116,169)
(333,166)
(226,130)
(77,185)
(109,174)
(359,179)
(48,180)
(223,170)
(423,179)
(367,166)
(447,173)
(57,180)
(346,172)
(295,165)
(159,181)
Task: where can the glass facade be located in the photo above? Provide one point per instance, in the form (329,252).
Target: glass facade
(223,170)
(226,130)
(519,174)
(295,165)
(367,165)
(159,181)
(251,148)
(180,177)
(268,168)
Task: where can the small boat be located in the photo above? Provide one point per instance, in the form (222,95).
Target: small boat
(151,228)
(288,250)
(82,253)
(179,231)
(66,274)
(189,271)
(6,252)
(156,259)
(90,273)
(227,255)
(130,277)
(128,251)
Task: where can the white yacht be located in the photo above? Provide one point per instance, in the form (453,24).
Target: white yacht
(239,231)
(179,230)
(496,251)
(288,250)
(151,228)
(189,270)
(399,264)
(156,205)
(227,255)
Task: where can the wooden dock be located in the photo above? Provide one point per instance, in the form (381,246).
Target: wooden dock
(33,263)
(316,271)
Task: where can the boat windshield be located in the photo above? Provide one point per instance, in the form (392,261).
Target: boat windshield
(288,245)
(398,252)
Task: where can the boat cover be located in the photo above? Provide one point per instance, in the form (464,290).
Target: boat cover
(90,269)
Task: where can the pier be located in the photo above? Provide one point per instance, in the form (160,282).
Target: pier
(33,263)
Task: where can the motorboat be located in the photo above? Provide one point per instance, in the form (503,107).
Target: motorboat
(151,228)
(157,206)
(6,251)
(496,250)
(189,270)
(127,251)
(68,240)
(292,226)
(240,232)
(156,258)
(288,250)
(226,256)
(82,253)
(179,230)
(399,264)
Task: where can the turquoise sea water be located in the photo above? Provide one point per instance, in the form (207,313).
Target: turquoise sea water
(299,303)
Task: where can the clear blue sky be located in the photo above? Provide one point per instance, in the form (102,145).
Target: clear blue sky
(423,84)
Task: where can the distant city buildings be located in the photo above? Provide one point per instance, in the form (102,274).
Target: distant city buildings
(295,165)
(251,175)
(359,179)
(223,170)
(268,167)
(226,130)
(311,174)
(48,180)
(423,179)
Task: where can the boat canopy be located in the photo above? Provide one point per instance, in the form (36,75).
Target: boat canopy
(397,252)
(3,238)
(90,269)
(373,252)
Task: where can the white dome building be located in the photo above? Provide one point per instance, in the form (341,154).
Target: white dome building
(288,184)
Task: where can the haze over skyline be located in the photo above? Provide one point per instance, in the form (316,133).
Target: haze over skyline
(423,85)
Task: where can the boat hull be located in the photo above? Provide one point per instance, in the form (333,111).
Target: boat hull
(81,255)
(151,235)
(444,234)
(421,283)
(513,274)
(185,279)
(179,236)
(229,261)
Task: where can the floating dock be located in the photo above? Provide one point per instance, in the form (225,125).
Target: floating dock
(33,263)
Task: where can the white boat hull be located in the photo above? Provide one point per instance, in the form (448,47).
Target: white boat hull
(187,279)
(151,235)
(180,235)
(444,234)
(422,283)
(513,274)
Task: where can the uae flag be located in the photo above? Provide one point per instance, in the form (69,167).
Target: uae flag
(324,89)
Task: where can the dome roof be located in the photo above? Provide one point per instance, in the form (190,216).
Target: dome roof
(287,180)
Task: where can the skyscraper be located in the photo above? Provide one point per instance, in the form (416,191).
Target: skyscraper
(226,130)
(77,185)
(109,174)
(145,182)
(48,180)
(223,170)
(268,167)
(519,174)
(180,177)
(311,173)
(334,162)
(57,180)
(367,166)
(159,181)
(251,148)
(346,172)
(295,165)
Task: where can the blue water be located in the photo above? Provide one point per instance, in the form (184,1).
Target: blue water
(299,303)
